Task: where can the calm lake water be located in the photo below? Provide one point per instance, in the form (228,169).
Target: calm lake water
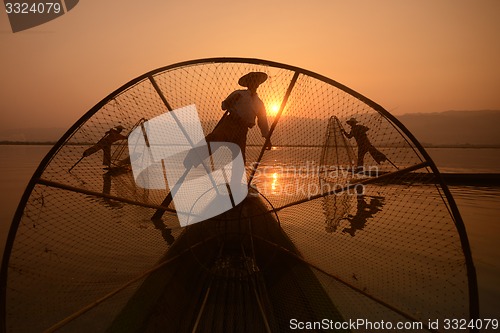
(479,206)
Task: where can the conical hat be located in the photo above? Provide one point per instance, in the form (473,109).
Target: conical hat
(258,77)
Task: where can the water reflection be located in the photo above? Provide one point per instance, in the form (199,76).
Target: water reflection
(367,207)
(270,180)
(166,232)
(106,189)
(335,208)
(274,182)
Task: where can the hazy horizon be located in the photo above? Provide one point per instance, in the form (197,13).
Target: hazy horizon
(449,128)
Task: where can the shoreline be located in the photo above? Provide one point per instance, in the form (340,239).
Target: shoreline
(51,143)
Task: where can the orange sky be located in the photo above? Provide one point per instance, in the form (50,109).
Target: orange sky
(408,56)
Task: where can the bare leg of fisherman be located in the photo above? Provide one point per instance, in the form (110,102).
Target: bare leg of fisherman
(377,155)
(361,159)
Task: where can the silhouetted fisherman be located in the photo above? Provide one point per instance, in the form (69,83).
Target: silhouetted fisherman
(105,144)
(364,144)
(243,106)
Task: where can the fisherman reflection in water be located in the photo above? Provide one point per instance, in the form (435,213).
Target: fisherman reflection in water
(111,136)
(364,144)
(106,189)
(166,232)
(365,211)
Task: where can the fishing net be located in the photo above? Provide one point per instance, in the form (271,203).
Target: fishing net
(346,219)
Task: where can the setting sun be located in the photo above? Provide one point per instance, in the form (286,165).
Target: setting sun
(273,109)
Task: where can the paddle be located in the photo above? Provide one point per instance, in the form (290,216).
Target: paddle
(84,153)
(74,165)
(168,199)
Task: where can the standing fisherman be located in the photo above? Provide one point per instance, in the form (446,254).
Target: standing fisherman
(111,136)
(364,144)
(243,106)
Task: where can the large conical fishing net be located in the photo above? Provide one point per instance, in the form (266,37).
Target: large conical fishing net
(320,236)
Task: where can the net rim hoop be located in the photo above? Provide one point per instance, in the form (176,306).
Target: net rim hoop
(459,224)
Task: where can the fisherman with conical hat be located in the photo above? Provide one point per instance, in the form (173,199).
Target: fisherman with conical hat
(364,144)
(111,136)
(244,107)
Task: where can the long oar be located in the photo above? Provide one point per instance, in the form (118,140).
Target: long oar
(170,196)
(74,165)
(388,160)
(81,158)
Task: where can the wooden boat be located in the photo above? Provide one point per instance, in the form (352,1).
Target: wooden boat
(241,273)
(316,245)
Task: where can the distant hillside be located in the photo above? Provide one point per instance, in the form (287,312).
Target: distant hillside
(31,134)
(477,128)
(450,128)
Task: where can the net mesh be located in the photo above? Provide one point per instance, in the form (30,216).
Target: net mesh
(318,238)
